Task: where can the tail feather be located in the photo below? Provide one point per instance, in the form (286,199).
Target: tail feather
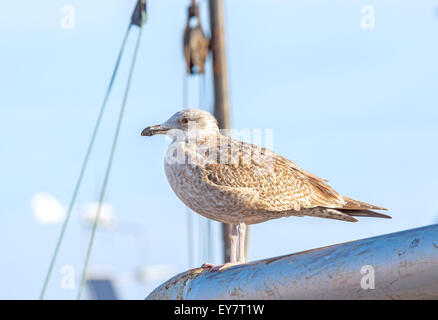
(351,204)
(364,213)
(358,208)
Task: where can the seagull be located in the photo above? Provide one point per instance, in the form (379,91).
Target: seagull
(238,183)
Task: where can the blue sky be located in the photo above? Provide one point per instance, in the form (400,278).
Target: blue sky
(358,107)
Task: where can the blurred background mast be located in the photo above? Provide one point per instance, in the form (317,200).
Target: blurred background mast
(220,79)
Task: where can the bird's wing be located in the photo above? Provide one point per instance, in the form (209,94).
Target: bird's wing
(279,183)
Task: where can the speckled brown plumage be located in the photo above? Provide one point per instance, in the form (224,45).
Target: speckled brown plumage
(233,182)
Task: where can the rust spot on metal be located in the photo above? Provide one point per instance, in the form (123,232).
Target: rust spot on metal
(190,275)
(273,259)
(414,243)
(400,253)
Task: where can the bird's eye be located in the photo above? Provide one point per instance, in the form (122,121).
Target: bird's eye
(184,120)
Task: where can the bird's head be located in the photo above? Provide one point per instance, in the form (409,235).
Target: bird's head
(184,123)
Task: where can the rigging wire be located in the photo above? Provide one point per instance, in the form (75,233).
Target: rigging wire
(109,165)
(204,225)
(206,246)
(201,220)
(83,167)
(189,220)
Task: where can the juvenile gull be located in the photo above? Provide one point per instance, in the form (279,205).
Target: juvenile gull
(239,183)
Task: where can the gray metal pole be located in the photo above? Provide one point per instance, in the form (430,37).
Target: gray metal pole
(402,265)
(220,75)
(220,80)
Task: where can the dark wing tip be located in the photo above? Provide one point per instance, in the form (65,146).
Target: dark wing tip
(365,213)
(351,204)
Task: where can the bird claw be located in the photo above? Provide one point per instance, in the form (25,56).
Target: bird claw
(207,266)
(221,267)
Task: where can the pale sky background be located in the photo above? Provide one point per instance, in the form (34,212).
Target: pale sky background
(358,107)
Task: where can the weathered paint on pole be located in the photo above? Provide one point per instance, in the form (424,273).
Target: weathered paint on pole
(404,265)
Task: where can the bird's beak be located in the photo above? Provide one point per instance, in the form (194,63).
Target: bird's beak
(152,130)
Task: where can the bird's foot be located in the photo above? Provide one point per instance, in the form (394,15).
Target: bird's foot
(221,267)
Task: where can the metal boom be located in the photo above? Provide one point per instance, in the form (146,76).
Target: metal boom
(401,265)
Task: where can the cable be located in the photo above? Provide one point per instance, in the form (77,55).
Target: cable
(207,242)
(189,220)
(108,169)
(84,166)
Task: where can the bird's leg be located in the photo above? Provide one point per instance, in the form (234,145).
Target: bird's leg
(233,239)
(241,229)
(233,252)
